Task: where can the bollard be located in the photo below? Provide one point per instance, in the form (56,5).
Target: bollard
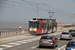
(0,33)
(7,33)
(11,32)
(4,34)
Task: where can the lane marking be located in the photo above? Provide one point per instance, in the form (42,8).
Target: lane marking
(30,41)
(33,47)
(14,43)
(1,48)
(6,45)
(18,41)
(24,40)
(61,47)
(21,42)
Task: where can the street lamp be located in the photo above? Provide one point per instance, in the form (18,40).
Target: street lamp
(51,14)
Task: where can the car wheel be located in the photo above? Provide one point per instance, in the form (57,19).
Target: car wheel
(54,46)
(40,46)
(57,45)
(71,39)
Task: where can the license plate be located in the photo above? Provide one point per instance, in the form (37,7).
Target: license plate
(64,36)
(45,42)
(72,49)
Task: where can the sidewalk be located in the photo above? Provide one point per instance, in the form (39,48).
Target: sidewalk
(25,36)
(17,37)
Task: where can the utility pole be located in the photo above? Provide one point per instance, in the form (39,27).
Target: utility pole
(37,12)
(61,17)
(37,9)
(74,20)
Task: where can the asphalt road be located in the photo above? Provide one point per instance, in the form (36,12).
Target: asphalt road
(33,44)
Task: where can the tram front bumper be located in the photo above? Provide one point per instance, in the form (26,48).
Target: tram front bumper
(33,32)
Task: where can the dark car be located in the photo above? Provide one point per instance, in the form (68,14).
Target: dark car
(72,31)
(48,40)
(70,45)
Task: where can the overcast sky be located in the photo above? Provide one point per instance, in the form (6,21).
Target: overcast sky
(18,11)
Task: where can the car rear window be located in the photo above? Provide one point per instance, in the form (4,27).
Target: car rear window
(65,33)
(46,37)
(72,31)
(71,44)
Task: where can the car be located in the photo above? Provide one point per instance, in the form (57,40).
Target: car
(72,31)
(70,45)
(65,35)
(48,40)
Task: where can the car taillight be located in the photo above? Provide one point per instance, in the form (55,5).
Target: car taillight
(51,40)
(67,47)
(68,35)
(40,40)
(61,35)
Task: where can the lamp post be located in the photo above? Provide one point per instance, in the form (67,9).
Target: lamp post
(51,14)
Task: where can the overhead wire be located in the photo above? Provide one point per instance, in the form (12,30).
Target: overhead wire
(43,9)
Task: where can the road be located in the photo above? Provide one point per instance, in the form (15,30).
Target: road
(33,44)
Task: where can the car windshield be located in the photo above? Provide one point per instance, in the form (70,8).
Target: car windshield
(71,44)
(72,31)
(46,37)
(65,33)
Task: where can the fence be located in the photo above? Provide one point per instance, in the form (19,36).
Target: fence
(12,33)
(25,31)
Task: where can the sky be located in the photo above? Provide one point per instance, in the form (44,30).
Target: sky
(15,13)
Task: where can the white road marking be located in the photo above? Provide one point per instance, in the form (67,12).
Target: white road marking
(14,43)
(1,48)
(18,41)
(21,42)
(61,47)
(33,47)
(34,39)
(6,45)
(30,41)
(24,40)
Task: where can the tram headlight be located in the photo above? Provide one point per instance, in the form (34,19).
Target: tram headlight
(35,29)
(30,29)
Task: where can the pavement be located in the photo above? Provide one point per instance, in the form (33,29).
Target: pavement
(33,44)
(25,36)
(30,42)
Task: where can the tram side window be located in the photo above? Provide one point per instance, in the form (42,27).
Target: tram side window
(43,25)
